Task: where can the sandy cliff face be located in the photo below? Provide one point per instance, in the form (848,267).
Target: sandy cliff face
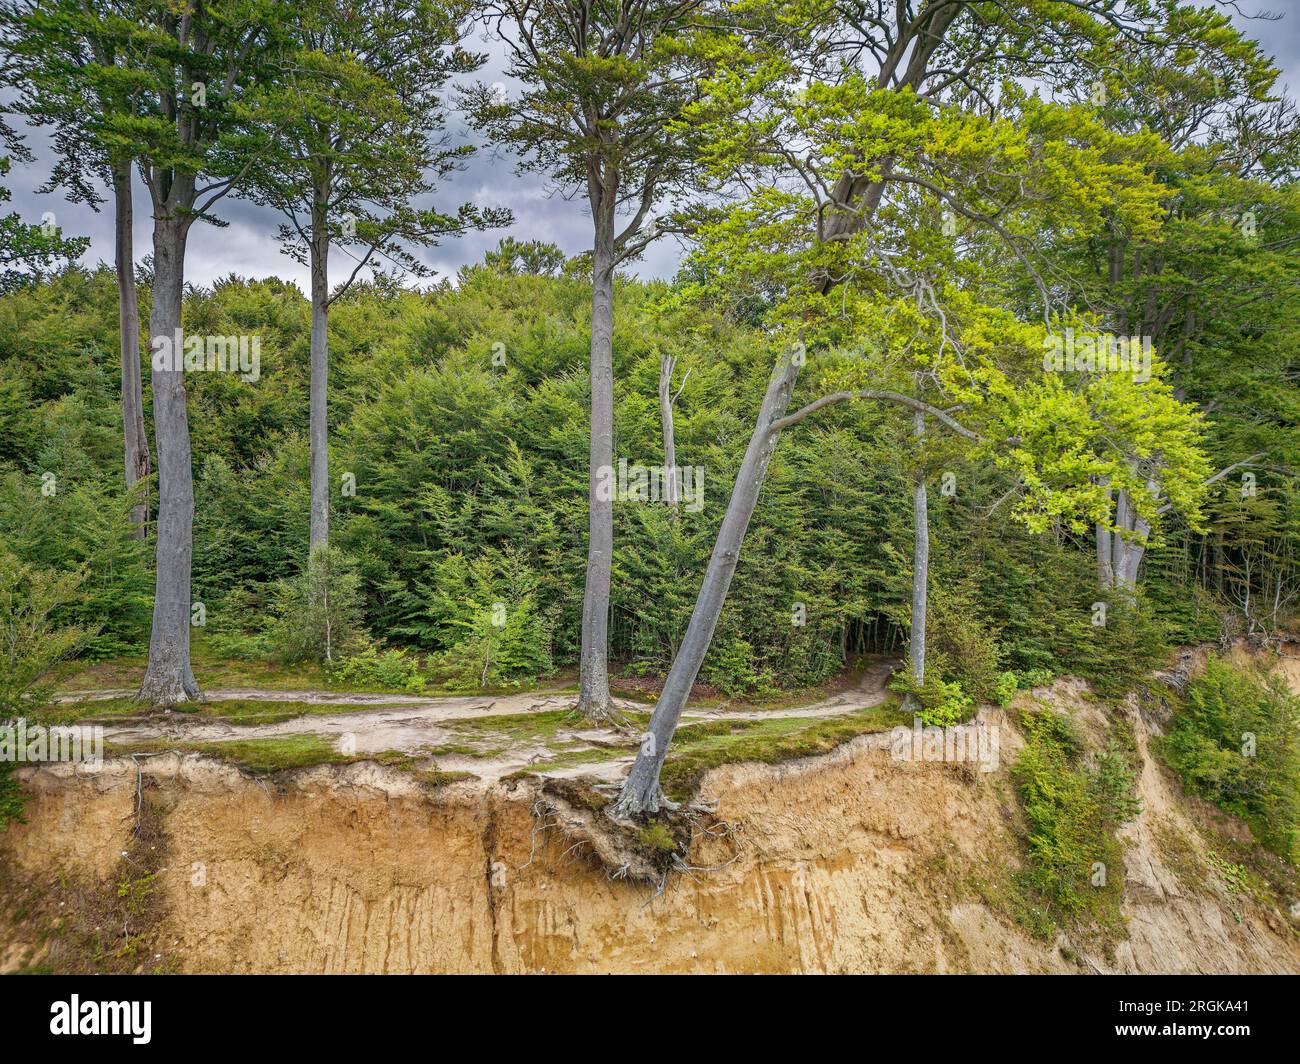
(852,862)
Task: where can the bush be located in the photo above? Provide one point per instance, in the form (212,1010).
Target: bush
(502,646)
(960,645)
(1121,654)
(730,667)
(1007,686)
(1236,742)
(318,612)
(368,665)
(943,702)
(32,643)
(1073,807)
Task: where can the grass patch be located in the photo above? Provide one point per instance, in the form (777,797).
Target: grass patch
(243,712)
(258,756)
(697,748)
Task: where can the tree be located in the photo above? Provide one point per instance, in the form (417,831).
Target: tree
(601,84)
(533,257)
(68,66)
(838,142)
(354,115)
(187,62)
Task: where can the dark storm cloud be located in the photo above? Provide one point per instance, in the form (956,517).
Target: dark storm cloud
(248,246)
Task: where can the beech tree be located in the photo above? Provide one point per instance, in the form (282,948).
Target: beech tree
(600,84)
(186,62)
(69,67)
(823,152)
(354,117)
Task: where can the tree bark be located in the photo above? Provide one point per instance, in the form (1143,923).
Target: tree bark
(920,559)
(1105,566)
(666,365)
(319,387)
(641,792)
(136,443)
(169,679)
(593,699)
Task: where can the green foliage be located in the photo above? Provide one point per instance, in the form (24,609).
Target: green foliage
(32,642)
(731,669)
(1236,741)
(1008,683)
(371,666)
(12,797)
(1121,654)
(318,612)
(1073,806)
(939,702)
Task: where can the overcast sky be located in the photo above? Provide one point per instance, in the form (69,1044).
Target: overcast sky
(248,246)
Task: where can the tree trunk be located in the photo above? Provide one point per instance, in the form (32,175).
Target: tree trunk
(136,442)
(319,387)
(1127,551)
(1105,565)
(666,366)
(641,792)
(169,679)
(593,700)
(920,560)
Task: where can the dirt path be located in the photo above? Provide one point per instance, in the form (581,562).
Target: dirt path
(415,724)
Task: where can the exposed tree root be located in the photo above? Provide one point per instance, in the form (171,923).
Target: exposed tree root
(645,849)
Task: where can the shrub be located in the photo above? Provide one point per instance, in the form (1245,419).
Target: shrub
(1236,742)
(501,646)
(942,703)
(1007,686)
(1073,807)
(368,665)
(730,667)
(32,643)
(960,645)
(318,612)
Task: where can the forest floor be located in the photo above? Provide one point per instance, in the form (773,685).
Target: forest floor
(480,737)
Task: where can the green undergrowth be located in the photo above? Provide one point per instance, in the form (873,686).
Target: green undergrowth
(1235,741)
(1074,802)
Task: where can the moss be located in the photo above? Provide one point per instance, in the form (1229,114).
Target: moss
(698,748)
(656,836)
(238,711)
(258,756)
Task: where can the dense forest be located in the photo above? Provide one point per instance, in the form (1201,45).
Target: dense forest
(982,352)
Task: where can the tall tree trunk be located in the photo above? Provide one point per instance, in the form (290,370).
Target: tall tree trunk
(1105,565)
(920,559)
(641,792)
(319,427)
(136,443)
(593,700)
(666,365)
(169,679)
